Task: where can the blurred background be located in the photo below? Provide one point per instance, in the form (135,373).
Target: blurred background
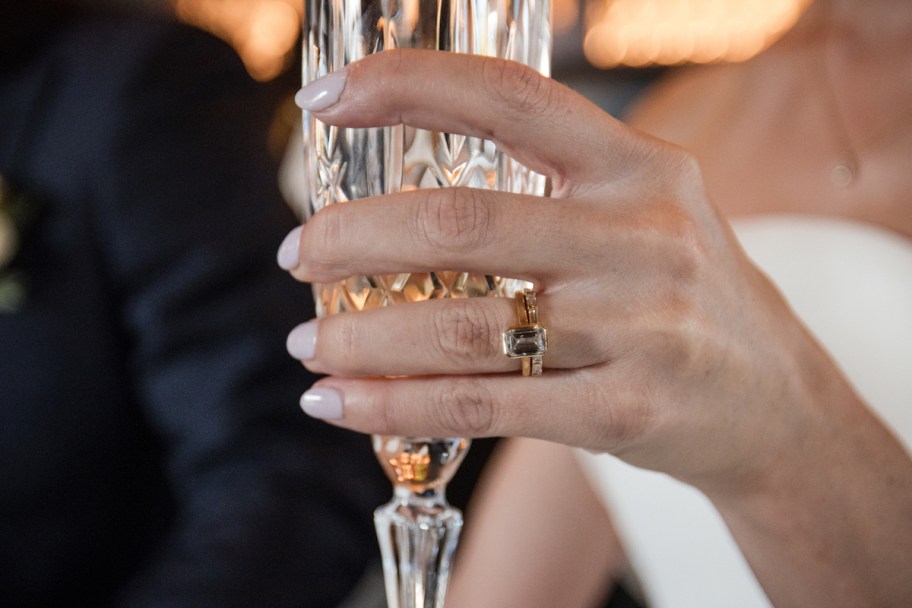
(605,49)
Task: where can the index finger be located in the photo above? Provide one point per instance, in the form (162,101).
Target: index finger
(536,120)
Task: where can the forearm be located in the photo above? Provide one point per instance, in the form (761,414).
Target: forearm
(537,535)
(831,525)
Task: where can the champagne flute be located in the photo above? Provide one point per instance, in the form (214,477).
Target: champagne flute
(417,530)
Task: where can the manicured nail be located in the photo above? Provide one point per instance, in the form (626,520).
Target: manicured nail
(288,250)
(322,92)
(302,341)
(322,403)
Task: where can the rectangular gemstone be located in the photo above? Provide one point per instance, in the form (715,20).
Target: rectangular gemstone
(525,341)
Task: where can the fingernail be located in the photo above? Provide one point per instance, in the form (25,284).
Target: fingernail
(322,92)
(322,403)
(302,341)
(288,250)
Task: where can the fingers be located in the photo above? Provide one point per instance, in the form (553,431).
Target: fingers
(479,231)
(457,336)
(425,338)
(540,240)
(559,406)
(536,120)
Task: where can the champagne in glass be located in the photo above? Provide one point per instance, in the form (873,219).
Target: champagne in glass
(417,530)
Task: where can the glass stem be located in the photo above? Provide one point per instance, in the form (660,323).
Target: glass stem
(418,532)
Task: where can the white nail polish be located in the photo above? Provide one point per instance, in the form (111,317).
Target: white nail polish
(322,403)
(322,92)
(302,341)
(289,250)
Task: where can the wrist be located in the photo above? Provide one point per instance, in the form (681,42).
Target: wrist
(829,500)
(806,425)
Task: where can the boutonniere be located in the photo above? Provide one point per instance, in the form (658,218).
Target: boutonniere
(17,214)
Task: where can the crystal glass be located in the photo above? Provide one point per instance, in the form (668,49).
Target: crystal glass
(417,530)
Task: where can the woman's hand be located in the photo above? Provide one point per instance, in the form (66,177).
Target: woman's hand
(666,346)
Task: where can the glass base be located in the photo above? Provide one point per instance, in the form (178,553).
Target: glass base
(418,533)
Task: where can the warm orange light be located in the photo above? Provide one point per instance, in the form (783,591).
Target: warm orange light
(564,14)
(669,32)
(262,31)
(273,30)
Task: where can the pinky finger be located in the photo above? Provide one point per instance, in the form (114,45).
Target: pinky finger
(467,406)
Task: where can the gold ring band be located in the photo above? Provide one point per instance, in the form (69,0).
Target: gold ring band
(527,340)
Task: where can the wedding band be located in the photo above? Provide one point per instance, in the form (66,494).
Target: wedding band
(527,340)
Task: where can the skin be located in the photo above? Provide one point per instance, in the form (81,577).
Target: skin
(764,135)
(668,347)
(536,535)
(767,132)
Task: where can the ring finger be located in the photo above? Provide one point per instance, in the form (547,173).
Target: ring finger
(453,336)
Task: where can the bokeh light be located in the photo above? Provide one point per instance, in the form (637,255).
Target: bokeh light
(264,32)
(668,32)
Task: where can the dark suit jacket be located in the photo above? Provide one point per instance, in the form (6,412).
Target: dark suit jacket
(151,449)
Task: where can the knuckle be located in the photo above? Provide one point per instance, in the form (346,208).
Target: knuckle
(463,407)
(689,251)
(684,176)
(463,331)
(382,402)
(327,226)
(681,343)
(675,235)
(342,350)
(617,419)
(612,419)
(521,88)
(676,164)
(390,65)
(323,235)
(454,218)
(689,170)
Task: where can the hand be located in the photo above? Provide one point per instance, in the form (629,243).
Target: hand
(667,347)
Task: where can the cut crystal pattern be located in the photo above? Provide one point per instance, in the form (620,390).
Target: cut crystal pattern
(347,164)
(417,530)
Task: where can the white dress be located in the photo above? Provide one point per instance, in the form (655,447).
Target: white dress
(852,286)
